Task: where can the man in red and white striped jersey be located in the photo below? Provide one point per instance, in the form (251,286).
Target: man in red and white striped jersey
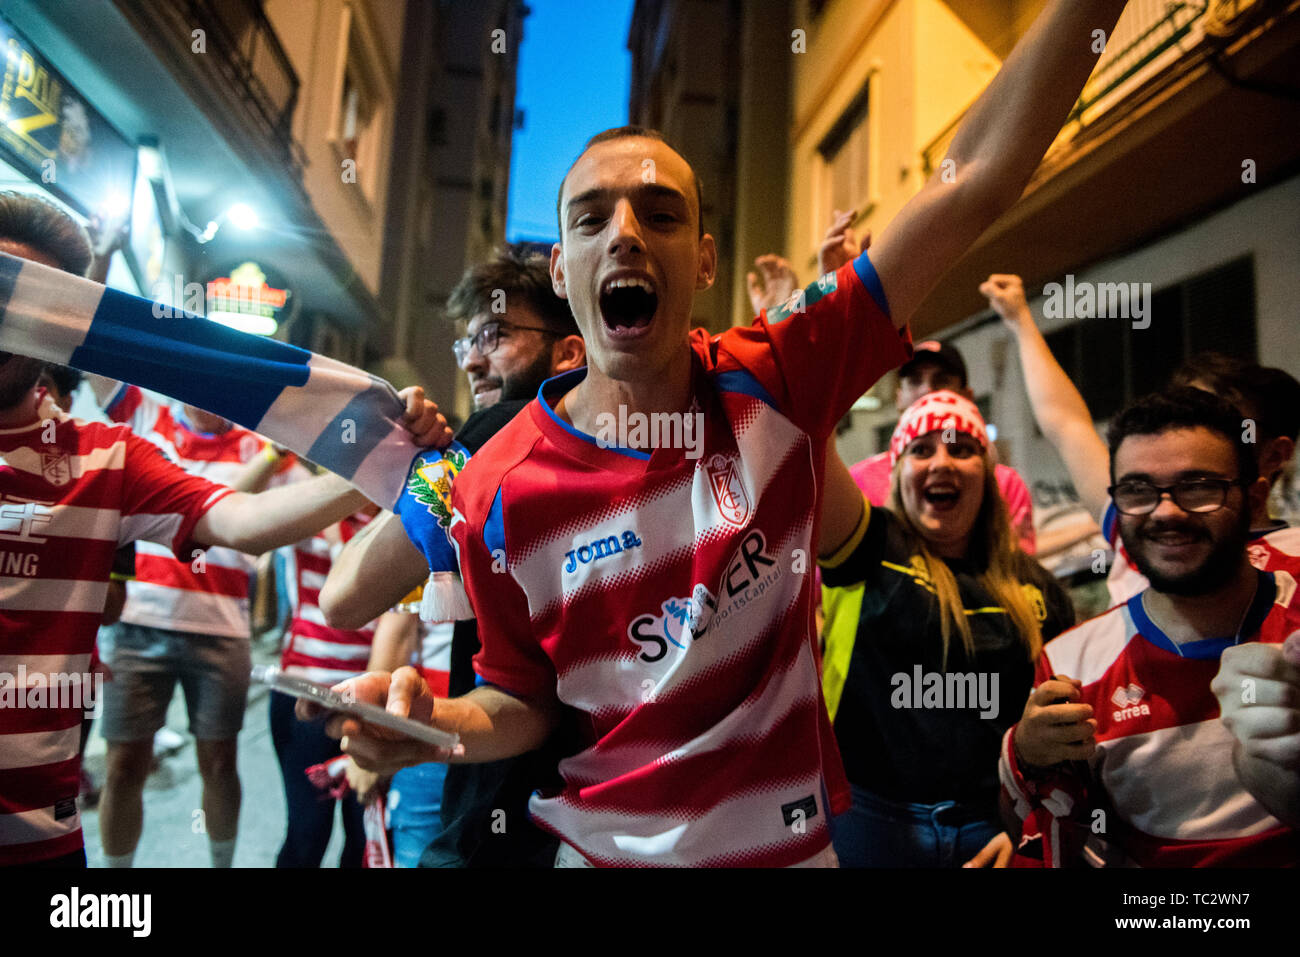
(658,583)
(184,620)
(71,492)
(317,652)
(1131,749)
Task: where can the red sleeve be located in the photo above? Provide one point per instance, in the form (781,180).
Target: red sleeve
(510,657)
(1021,506)
(130,406)
(816,354)
(161,502)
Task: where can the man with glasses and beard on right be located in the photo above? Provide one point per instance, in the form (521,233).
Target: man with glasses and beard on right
(1166,732)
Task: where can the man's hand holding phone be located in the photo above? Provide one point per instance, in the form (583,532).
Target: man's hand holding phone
(1055,727)
(403,694)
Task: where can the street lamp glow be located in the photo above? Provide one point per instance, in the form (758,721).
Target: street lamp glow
(257,325)
(115,206)
(242,216)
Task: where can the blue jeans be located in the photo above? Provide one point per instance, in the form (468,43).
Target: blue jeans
(299,745)
(415,811)
(876,832)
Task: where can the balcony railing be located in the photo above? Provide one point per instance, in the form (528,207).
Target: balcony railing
(1151,28)
(241,49)
(1148,31)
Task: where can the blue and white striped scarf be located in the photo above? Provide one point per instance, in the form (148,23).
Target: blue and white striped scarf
(340,417)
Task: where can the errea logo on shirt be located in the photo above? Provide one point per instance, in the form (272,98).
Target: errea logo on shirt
(1127,701)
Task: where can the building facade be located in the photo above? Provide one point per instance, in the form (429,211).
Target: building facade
(714,77)
(1176,172)
(329,164)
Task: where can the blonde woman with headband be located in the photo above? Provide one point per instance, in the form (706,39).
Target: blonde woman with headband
(934,618)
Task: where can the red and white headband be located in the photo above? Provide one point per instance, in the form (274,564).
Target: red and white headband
(937,412)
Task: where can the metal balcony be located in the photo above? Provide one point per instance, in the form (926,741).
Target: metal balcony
(243,58)
(1149,36)
(1151,28)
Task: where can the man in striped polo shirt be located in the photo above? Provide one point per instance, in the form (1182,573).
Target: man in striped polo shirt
(185,620)
(71,492)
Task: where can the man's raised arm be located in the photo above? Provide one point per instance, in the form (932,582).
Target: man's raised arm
(1058,407)
(996,149)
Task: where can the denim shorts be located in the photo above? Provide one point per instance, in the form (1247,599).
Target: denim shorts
(147,662)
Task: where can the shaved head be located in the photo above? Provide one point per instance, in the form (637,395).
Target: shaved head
(630,132)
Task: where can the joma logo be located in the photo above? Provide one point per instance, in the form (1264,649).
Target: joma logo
(598,549)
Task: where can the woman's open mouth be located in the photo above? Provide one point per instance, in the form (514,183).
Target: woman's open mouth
(627,306)
(941,496)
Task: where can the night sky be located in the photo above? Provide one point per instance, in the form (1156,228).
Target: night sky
(573,82)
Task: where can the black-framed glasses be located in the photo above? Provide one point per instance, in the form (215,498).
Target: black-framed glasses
(487,337)
(1192,495)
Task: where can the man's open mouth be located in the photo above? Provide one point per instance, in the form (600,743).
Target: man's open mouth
(627,304)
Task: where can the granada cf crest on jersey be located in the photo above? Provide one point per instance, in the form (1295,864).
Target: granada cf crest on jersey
(728,490)
(430,481)
(56,467)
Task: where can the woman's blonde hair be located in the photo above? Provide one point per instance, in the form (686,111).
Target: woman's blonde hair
(1004,568)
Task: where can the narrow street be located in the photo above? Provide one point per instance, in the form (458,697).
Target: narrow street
(173,834)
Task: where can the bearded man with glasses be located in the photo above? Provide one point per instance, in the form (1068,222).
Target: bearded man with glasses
(1166,732)
(519,332)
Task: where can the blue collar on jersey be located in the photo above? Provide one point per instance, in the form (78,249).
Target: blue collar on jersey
(183,421)
(1205,648)
(563,383)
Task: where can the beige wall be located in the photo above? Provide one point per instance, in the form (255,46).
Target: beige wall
(314,36)
(925,64)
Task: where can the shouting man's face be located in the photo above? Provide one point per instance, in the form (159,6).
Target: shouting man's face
(632,256)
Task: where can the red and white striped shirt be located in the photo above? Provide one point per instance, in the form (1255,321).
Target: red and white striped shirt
(206,592)
(71,493)
(312,649)
(667,597)
(433,657)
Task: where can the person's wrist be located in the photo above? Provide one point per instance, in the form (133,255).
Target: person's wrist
(1027,768)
